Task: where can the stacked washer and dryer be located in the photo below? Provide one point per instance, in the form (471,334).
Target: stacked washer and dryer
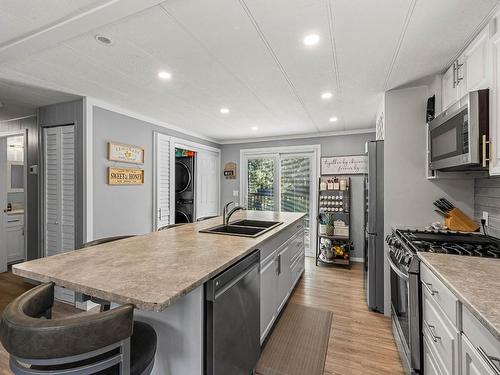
(184,185)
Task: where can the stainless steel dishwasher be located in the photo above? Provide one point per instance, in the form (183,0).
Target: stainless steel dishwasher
(232,308)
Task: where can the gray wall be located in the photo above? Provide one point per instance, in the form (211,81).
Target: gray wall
(32,237)
(124,209)
(408,195)
(330,146)
(68,113)
(487,198)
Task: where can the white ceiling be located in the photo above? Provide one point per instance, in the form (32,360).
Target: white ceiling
(19,100)
(246,55)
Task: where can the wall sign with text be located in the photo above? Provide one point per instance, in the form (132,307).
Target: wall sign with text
(230,171)
(125,153)
(356,164)
(125,176)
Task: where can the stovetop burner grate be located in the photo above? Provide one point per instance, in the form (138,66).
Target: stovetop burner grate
(455,243)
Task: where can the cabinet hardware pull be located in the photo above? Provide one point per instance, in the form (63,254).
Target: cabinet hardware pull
(486,155)
(489,359)
(431,331)
(454,74)
(428,286)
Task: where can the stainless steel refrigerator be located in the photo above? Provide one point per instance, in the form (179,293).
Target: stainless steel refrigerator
(374,226)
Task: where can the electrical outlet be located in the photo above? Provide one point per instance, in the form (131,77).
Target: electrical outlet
(486,217)
(236,193)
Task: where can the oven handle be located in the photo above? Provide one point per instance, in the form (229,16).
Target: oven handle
(396,269)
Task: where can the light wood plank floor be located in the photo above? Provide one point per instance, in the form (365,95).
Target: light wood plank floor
(361,341)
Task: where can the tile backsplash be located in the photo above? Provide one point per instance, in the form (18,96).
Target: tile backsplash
(487,198)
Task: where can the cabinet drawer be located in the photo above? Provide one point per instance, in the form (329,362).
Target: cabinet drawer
(297,269)
(473,362)
(272,244)
(479,336)
(441,334)
(439,293)
(297,245)
(14,221)
(430,363)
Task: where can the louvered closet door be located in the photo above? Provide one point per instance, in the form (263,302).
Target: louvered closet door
(162,180)
(59,189)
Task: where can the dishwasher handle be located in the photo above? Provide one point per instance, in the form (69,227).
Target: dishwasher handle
(225,280)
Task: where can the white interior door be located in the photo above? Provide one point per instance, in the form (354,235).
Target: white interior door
(59,189)
(162,180)
(3,204)
(207,184)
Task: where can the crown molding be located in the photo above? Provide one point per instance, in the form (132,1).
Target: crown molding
(298,136)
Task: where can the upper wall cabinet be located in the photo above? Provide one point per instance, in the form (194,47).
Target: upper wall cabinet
(475,60)
(495,105)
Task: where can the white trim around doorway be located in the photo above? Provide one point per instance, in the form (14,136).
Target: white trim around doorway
(301,149)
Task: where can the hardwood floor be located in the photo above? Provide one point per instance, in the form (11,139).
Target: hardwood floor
(361,341)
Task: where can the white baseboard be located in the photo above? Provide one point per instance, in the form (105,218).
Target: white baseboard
(357,260)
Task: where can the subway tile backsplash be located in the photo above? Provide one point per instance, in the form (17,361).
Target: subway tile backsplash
(487,198)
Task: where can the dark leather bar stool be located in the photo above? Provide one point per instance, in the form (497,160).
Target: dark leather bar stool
(101,343)
(171,226)
(105,305)
(205,218)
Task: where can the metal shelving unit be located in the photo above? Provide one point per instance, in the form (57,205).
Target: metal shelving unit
(336,204)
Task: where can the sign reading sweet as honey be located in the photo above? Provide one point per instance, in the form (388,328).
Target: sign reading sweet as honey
(357,164)
(125,176)
(125,153)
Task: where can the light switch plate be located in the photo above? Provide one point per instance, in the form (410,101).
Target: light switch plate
(486,217)
(236,193)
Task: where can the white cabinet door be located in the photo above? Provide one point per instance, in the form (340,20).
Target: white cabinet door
(268,288)
(162,180)
(284,276)
(207,184)
(15,238)
(476,63)
(430,365)
(59,189)
(450,91)
(472,362)
(495,106)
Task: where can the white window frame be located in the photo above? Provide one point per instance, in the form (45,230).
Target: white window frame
(275,152)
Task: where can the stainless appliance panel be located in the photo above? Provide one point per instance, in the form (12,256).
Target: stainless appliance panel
(456,135)
(374,226)
(233,319)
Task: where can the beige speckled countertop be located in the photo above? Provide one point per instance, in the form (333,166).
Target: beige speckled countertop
(153,270)
(474,280)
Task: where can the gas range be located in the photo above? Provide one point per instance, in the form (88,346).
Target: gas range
(449,242)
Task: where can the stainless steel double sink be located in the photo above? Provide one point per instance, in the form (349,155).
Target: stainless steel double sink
(244,228)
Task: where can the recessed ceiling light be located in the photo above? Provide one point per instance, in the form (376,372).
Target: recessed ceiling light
(164,75)
(224,110)
(326,95)
(255,128)
(104,40)
(333,119)
(311,40)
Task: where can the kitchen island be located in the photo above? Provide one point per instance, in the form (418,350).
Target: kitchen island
(163,275)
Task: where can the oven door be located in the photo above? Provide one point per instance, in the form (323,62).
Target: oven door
(400,309)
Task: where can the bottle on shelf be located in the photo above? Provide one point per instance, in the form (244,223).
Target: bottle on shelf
(343,184)
(336,184)
(322,186)
(330,184)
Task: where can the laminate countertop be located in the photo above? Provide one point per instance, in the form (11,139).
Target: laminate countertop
(153,270)
(475,281)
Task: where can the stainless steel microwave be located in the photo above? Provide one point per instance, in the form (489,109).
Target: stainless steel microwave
(459,137)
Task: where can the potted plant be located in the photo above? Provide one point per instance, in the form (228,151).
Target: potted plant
(326,225)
